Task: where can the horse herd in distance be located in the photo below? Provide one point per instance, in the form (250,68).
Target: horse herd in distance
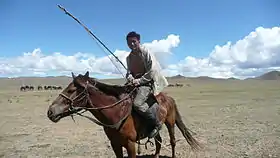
(39,88)
(178,85)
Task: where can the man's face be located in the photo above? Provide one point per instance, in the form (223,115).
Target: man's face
(133,43)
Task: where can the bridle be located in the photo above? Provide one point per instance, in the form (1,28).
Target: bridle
(85,95)
(82,95)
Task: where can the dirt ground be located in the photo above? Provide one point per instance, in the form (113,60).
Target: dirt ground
(232,119)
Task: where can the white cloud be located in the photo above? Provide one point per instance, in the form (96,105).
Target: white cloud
(163,48)
(256,53)
(253,55)
(37,63)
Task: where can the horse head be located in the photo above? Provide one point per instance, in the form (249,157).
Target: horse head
(74,95)
(85,93)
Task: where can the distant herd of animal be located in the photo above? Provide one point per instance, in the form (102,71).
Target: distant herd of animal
(178,85)
(31,88)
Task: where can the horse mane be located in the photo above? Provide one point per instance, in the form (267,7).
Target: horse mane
(110,89)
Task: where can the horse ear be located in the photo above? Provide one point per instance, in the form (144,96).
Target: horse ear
(73,76)
(87,74)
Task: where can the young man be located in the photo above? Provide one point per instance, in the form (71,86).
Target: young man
(143,72)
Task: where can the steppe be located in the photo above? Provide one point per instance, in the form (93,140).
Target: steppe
(231,118)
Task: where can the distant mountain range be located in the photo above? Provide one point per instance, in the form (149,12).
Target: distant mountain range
(272,75)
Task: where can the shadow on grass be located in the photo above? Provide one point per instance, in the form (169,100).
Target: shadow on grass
(149,156)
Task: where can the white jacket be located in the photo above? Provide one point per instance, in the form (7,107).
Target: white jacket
(153,70)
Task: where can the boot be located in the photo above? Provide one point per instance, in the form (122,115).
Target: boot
(153,118)
(155,131)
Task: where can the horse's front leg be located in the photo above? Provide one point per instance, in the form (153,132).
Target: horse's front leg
(117,149)
(115,140)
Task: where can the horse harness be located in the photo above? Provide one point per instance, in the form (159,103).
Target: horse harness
(83,94)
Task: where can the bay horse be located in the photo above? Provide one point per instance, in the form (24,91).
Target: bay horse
(111,105)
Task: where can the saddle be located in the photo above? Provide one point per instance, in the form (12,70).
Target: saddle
(125,109)
(151,98)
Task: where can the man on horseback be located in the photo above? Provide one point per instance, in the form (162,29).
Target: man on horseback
(143,72)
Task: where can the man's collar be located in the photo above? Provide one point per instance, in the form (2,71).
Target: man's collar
(135,51)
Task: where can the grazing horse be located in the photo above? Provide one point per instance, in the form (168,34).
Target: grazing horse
(179,85)
(39,88)
(22,88)
(48,87)
(171,85)
(31,88)
(112,107)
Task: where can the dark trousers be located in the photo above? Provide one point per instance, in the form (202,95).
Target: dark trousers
(142,107)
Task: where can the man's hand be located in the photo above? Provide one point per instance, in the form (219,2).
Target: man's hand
(136,82)
(130,78)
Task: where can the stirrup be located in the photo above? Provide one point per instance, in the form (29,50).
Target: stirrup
(154,132)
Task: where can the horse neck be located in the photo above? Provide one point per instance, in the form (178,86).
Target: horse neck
(109,91)
(104,95)
(100,99)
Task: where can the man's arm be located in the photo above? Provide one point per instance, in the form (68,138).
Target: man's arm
(128,75)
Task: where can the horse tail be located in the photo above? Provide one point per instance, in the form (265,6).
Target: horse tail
(185,131)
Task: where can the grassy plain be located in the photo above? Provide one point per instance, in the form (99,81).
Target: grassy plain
(231,118)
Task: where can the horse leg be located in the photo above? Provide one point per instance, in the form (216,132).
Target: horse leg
(117,149)
(115,140)
(158,142)
(171,131)
(170,124)
(130,148)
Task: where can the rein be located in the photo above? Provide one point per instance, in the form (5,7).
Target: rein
(85,94)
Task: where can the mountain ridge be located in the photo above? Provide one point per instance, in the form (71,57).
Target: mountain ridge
(271,75)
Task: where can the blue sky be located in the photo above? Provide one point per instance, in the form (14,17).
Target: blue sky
(26,25)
